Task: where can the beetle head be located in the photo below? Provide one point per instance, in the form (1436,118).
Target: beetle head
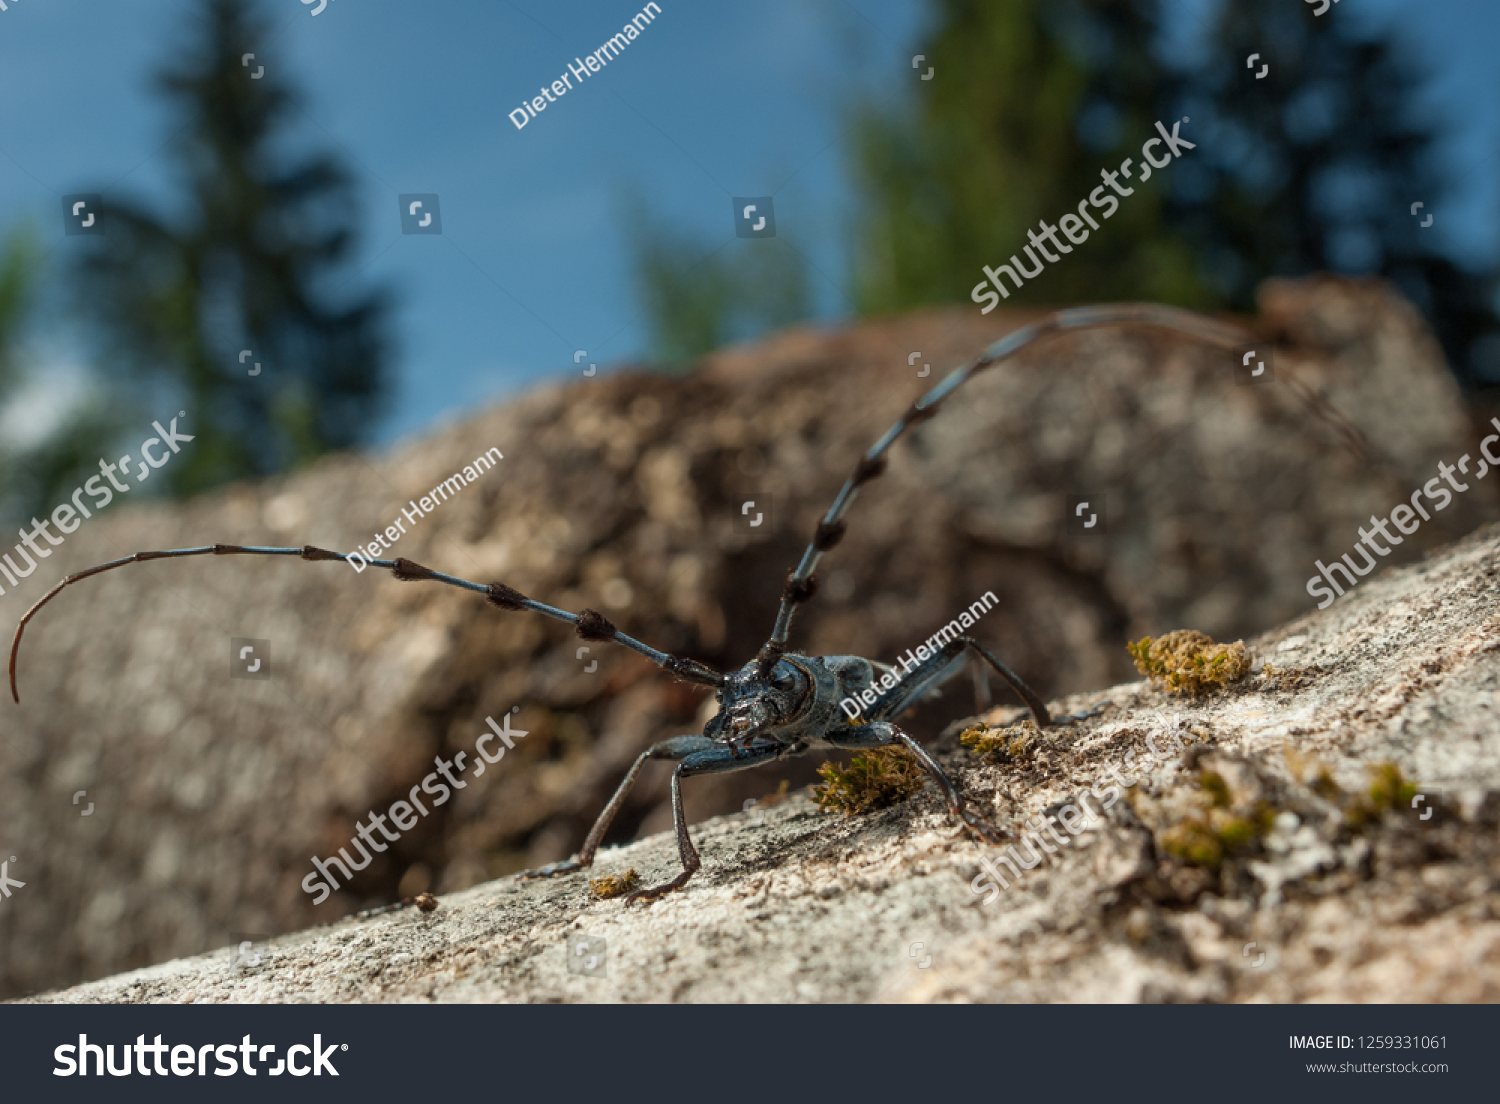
(751,703)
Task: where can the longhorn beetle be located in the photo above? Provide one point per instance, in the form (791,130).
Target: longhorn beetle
(782,702)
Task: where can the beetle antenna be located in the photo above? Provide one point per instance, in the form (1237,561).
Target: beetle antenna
(590,624)
(802,582)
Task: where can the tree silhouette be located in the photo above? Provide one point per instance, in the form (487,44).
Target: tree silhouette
(1030,101)
(34,471)
(1316,167)
(1313,167)
(698,296)
(241,265)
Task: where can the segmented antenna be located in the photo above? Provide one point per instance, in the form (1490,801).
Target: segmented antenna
(590,624)
(802,582)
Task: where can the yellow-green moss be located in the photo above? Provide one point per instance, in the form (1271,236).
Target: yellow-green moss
(1324,786)
(873,780)
(1010,744)
(774,798)
(1207,838)
(1389,790)
(1194,843)
(1188,662)
(1235,832)
(613,885)
(1213,784)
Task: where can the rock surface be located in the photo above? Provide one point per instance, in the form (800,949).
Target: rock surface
(623,493)
(1341,895)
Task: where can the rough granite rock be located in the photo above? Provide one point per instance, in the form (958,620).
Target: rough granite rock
(1339,900)
(622,493)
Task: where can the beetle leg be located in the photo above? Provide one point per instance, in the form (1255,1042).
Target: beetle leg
(1084,714)
(983,699)
(679,747)
(885,734)
(716,759)
(942,665)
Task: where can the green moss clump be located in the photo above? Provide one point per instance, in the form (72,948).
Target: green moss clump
(1188,662)
(1011,744)
(1220,831)
(1390,790)
(1324,786)
(1217,789)
(1194,843)
(874,780)
(1235,832)
(613,885)
(1206,841)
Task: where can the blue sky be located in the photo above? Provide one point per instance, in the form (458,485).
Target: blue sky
(714,100)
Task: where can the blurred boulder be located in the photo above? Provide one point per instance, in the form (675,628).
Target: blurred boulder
(624,493)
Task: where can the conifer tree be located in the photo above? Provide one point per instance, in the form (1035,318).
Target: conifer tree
(241,263)
(1030,100)
(1316,167)
(38,470)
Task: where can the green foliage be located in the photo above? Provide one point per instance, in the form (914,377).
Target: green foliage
(1208,840)
(17,263)
(1212,783)
(1313,168)
(34,478)
(1220,830)
(698,297)
(1389,791)
(235,267)
(1031,100)
(1318,168)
